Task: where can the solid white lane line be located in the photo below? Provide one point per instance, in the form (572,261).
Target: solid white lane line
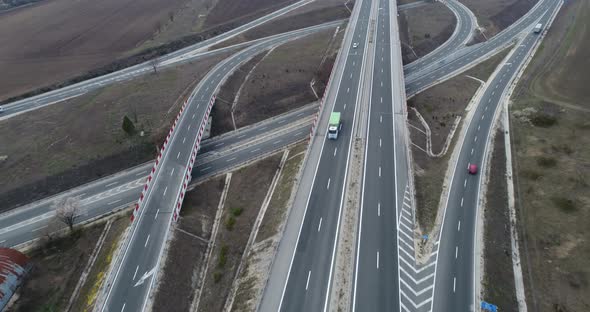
(307,283)
(140,173)
(231,159)
(156,216)
(165,191)
(454,283)
(335,150)
(123,308)
(39,228)
(461,201)
(378,209)
(111,184)
(459,226)
(172,171)
(135,274)
(146,241)
(178,155)
(377,259)
(456,251)
(320,225)
(114,202)
(209,167)
(328,186)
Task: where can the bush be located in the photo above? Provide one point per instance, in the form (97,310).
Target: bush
(543,120)
(222,256)
(217,276)
(128,125)
(236,212)
(547,162)
(230,222)
(565,204)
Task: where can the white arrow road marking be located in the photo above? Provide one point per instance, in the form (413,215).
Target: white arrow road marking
(144,277)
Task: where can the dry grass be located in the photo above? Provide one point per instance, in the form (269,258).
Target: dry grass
(52,41)
(246,192)
(80,140)
(186,253)
(551,139)
(58,264)
(499,276)
(439,106)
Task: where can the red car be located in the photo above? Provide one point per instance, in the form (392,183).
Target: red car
(472,169)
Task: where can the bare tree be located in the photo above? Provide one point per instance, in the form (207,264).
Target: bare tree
(155,63)
(68,210)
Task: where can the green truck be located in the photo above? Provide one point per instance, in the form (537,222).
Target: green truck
(334,126)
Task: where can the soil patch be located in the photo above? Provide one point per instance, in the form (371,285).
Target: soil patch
(80,140)
(52,41)
(188,247)
(499,276)
(551,167)
(424,29)
(246,192)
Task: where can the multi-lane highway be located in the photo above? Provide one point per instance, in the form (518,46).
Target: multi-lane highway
(455,278)
(301,282)
(376,285)
(133,274)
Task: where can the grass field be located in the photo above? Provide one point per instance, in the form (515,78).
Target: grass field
(70,143)
(551,145)
(52,41)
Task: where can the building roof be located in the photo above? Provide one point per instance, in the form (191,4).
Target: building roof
(13,268)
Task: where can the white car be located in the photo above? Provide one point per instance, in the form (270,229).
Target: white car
(1,109)
(355,45)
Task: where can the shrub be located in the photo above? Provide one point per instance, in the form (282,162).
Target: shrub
(546,162)
(222,256)
(128,126)
(565,204)
(237,211)
(543,120)
(217,276)
(230,222)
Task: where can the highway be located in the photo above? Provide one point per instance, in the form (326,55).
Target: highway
(134,271)
(376,285)
(186,54)
(309,274)
(455,278)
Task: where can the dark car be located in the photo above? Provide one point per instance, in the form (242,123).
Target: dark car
(472,169)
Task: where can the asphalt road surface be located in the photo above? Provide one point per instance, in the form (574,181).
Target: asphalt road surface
(455,281)
(311,268)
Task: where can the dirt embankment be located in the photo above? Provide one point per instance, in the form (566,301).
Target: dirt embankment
(423,30)
(551,148)
(80,140)
(52,41)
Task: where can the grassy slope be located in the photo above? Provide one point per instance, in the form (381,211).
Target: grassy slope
(551,150)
